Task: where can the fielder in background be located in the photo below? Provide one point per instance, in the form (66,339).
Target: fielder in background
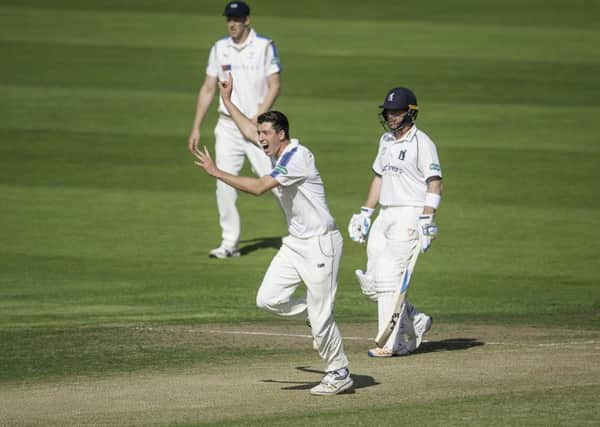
(407,185)
(312,251)
(254,62)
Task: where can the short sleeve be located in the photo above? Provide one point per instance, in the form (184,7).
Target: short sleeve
(429,162)
(377,162)
(272,61)
(212,69)
(290,168)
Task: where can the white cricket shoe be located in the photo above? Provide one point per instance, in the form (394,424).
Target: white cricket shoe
(334,382)
(223,252)
(386,352)
(421,325)
(380,352)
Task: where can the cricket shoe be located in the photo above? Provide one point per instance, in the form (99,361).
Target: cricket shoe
(386,352)
(223,252)
(335,382)
(421,325)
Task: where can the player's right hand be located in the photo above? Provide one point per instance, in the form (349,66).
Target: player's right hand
(205,161)
(194,140)
(354,229)
(360,224)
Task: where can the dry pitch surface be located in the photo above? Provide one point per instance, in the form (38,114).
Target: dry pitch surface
(456,361)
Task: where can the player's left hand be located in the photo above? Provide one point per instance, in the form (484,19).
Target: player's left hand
(427,230)
(205,161)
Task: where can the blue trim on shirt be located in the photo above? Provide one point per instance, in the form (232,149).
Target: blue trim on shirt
(283,162)
(261,37)
(275,51)
(276,55)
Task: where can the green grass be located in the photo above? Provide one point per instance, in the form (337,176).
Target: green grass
(517,408)
(53,353)
(105,221)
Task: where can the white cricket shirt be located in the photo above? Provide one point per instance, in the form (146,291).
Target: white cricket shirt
(302,192)
(250,63)
(404,166)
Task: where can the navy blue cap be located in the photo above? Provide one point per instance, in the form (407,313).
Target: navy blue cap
(400,98)
(237,8)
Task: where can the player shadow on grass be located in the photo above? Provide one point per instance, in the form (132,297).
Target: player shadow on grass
(251,245)
(360,381)
(450,344)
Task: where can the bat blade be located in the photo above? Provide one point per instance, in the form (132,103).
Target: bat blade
(399,301)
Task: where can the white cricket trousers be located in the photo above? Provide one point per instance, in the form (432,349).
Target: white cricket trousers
(314,261)
(393,240)
(230,150)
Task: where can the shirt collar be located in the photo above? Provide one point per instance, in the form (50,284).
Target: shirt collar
(293,143)
(250,39)
(409,135)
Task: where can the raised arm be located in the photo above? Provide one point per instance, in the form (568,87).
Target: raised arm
(244,124)
(255,186)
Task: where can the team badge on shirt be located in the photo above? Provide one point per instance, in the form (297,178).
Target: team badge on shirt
(226,67)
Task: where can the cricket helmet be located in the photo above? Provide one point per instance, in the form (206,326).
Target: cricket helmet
(238,9)
(399,99)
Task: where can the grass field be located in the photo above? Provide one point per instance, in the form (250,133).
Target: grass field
(111,312)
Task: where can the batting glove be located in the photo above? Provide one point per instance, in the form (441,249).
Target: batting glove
(427,231)
(359,225)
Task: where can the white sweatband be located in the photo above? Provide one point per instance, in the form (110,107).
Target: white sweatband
(432,200)
(368,211)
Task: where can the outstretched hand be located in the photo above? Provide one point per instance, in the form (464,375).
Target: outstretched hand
(226,87)
(205,161)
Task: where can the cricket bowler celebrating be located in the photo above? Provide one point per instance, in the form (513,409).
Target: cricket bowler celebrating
(407,185)
(254,62)
(311,252)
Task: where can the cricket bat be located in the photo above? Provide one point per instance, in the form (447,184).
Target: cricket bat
(399,299)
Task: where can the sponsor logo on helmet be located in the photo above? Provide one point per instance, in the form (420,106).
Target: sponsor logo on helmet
(391,97)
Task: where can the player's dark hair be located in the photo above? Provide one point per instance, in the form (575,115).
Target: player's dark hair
(278,120)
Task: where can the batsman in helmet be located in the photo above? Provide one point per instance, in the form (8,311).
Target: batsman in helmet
(407,187)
